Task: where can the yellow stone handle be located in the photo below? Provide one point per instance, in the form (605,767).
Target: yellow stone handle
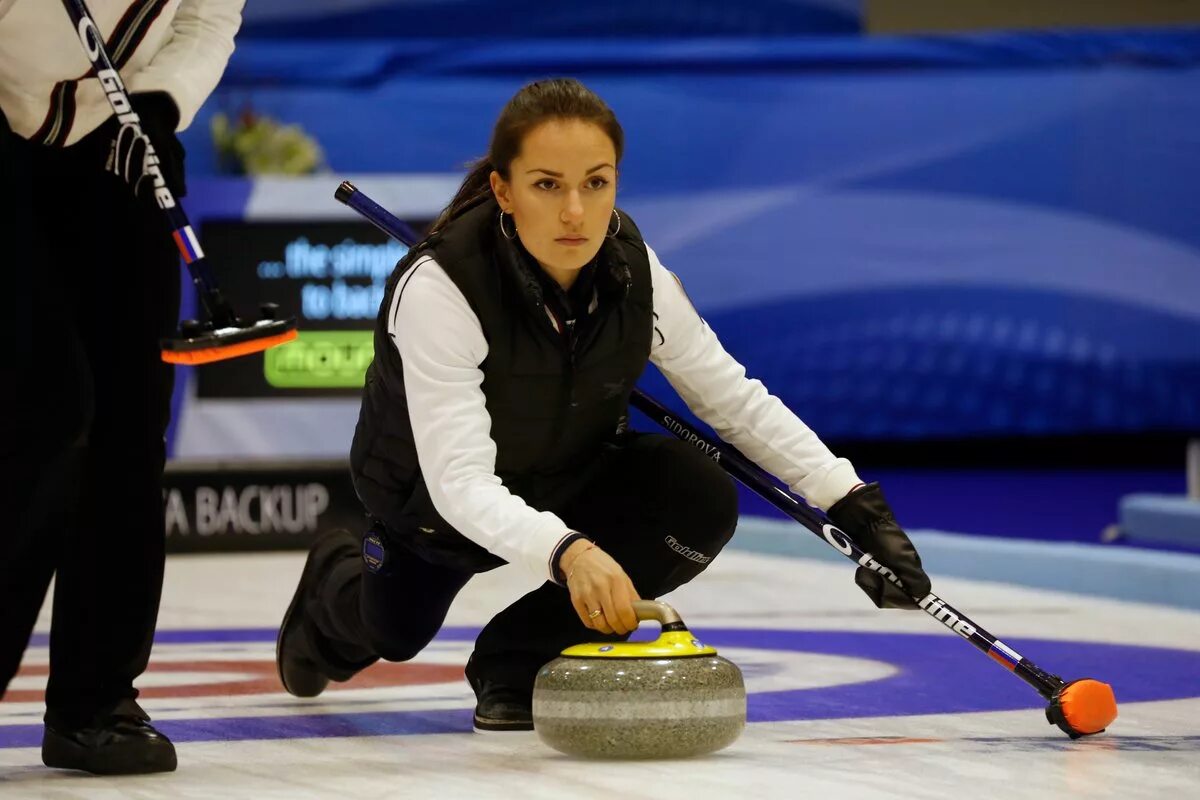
(657,611)
(673,641)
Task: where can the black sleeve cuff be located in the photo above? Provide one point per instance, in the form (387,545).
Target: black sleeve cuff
(568,540)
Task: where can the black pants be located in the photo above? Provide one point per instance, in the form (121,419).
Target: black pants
(92,285)
(658,506)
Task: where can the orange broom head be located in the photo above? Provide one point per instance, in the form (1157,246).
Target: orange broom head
(208,355)
(1086,706)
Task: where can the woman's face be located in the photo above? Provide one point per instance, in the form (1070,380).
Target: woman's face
(561,193)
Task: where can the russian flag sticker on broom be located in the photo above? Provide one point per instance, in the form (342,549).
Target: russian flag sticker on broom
(188,244)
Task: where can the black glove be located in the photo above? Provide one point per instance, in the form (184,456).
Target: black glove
(127,151)
(866,517)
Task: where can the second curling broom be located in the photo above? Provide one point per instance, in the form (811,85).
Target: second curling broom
(223,334)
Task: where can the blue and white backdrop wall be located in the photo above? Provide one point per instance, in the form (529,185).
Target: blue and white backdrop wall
(905,238)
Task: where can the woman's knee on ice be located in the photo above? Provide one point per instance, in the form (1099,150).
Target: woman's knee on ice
(399,633)
(402,646)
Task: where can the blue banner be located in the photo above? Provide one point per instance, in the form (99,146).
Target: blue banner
(528,19)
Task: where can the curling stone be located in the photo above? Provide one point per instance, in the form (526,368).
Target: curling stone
(1082,707)
(670,698)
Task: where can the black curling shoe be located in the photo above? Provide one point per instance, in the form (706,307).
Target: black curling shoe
(121,742)
(299,673)
(503,710)
(498,707)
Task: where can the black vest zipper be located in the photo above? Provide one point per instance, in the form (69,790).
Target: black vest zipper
(572,340)
(564,338)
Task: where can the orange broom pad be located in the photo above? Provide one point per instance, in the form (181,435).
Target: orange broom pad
(1087,706)
(210,354)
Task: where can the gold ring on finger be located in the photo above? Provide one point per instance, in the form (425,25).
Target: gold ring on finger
(594,614)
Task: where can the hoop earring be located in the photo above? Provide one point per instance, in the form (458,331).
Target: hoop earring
(618,228)
(505,233)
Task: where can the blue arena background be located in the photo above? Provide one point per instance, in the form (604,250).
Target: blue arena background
(908,239)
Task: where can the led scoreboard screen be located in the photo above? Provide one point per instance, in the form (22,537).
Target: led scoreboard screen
(329,275)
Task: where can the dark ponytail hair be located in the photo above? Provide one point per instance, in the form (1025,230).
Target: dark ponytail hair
(535,103)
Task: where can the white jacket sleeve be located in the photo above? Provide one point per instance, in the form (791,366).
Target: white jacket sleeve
(191,62)
(441,344)
(740,410)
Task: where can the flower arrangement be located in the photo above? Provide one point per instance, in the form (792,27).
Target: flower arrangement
(255,144)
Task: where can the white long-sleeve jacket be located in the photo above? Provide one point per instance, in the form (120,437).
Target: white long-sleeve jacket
(442,344)
(177,46)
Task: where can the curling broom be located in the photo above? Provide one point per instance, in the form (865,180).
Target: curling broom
(223,334)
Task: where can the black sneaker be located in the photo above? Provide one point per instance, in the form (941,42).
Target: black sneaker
(120,742)
(299,673)
(498,707)
(501,709)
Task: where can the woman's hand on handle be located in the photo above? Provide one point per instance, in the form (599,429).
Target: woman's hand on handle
(601,592)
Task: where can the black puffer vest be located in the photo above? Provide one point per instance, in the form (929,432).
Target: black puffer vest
(554,399)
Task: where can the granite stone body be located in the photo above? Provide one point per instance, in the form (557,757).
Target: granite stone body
(639,708)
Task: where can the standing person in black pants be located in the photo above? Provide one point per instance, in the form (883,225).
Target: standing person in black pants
(97,286)
(493,429)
